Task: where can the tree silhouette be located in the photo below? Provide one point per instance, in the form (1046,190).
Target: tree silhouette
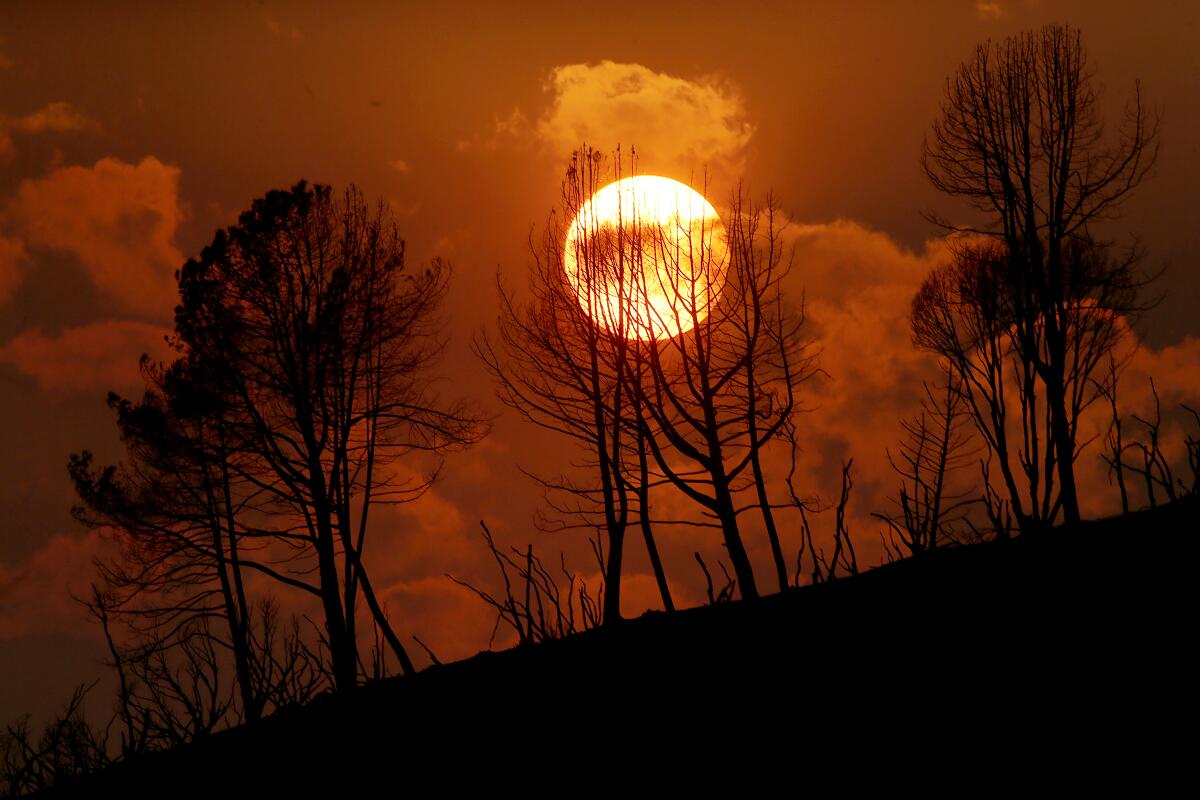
(1020,137)
(562,360)
(177,508)
(667,351)
(935,447)
(307,312)
(305,344)
(725,387)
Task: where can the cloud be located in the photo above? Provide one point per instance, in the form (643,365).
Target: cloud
(1175,373)
(400,165)
(281,30)
(683,124)
(56,117)
(12,262)
(450,619)
(37,597)
(678,126)
(506,129)
(988,10)
(859,285)
(119,219)
(100,356)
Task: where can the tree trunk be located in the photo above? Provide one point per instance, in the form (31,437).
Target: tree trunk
(612,575)
(644,506)
(1064,448)
(733,542)
(342,649)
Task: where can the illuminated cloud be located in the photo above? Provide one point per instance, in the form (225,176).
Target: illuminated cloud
(678,125)
(119,219)
(988,10)
(56,117)
(12,260)
(506,129)
(96,357)
(859,285)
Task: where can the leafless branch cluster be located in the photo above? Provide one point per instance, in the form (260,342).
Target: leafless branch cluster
(1034,299)
(667,352)
(67,747)
(534,605)
(842,557)
(299,399)
(937,445)
(1137,451)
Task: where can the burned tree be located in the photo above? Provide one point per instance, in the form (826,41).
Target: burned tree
(562,360)
(936,446)
(176,510)
(305,343)
(722,385)
(1020,137)
(308,312)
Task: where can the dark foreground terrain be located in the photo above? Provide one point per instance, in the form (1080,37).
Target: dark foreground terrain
(1069,653)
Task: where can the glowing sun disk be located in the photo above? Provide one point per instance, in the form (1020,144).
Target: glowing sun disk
(646,257)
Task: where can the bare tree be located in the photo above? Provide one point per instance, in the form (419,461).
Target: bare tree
(1115,438)
(661,343)
(68,746)
(1149,462)
(936,446)
(1020,137)
(723,386)
(307,314)
(842,557)
(563,360)
(535,605)
(176,509)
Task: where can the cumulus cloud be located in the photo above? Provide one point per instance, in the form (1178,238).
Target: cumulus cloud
(12,261)
(119,219)
(682,124)
(100,356)
(858,285)
(679,126)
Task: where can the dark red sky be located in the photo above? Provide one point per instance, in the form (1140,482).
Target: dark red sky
(129,132)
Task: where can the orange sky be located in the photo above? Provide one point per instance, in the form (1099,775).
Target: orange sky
(129,133)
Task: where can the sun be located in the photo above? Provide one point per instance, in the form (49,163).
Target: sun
(646,257)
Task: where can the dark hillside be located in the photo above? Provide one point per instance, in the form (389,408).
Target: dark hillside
(1080,637)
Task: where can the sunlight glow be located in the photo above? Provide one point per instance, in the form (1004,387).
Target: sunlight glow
(646,257)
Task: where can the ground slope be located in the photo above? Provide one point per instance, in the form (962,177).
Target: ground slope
(1077,641)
